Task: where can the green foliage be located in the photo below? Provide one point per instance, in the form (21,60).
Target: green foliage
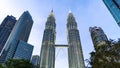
(106,56)
(17,63)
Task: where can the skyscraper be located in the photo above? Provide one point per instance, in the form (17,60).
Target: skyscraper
(75,55)
(47,55)
(98,36)
(23,51)
(5,29)
(114,8)
(35,60)
(106,54)
(20,31)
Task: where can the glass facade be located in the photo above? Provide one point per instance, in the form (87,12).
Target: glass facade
(114,8)
(23,51)
(20,31)
(5,30)
(117,2)
(35,60)
(75,55)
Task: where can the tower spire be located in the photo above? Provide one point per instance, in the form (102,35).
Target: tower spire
(75,54)
(47,56)
(70,11)
(71,16)
(50,23)
(71,22)
(51,13)
(52,10)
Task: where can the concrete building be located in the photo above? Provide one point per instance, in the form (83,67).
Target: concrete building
(75,54)
(98,36)
(47,55)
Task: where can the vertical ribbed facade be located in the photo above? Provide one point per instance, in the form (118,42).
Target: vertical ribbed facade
(114,8)
(5,29)
(20,31)
(98,36)
(75,55)
(47,55)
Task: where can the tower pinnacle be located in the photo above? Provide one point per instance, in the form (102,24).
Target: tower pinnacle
(47,57)
(71,22)
(71,16)
(75,54)
(51,13)
(70,11)
(52,10)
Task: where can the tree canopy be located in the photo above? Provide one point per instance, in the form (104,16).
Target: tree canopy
(17,63)
(106,56)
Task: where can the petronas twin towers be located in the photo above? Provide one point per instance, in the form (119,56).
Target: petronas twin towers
(47,55)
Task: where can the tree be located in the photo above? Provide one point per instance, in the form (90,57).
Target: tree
(17,63)
(106,56)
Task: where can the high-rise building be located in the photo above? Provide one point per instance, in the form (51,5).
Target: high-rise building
(47,55)
(5,29)
(23,51)
(98,36)
(75,55)
(104,50)
(35,60)
(20,31)
(114,8)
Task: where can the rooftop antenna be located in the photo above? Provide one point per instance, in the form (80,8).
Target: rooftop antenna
(52,10)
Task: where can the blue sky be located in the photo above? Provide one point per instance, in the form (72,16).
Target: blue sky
(88,13)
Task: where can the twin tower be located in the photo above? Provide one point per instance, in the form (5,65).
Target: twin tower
(47,55)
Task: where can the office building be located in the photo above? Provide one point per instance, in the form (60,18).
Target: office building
(20,31)
(23,51)
(47,55)
(75,54)
(114,8)
(5,29)
(35,60)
